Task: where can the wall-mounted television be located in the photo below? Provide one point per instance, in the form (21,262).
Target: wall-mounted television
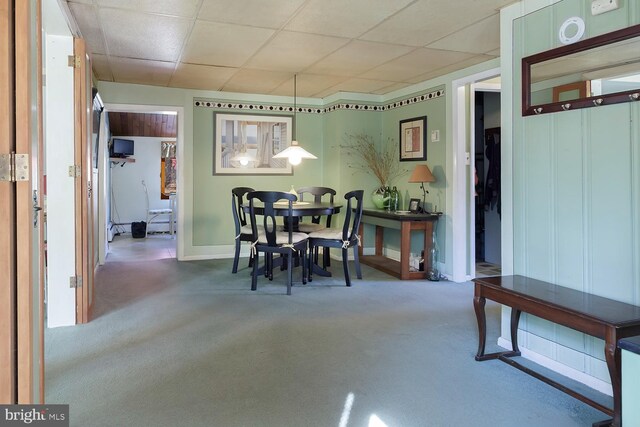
(121,147)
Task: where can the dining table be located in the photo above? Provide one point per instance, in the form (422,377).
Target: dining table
(300,209)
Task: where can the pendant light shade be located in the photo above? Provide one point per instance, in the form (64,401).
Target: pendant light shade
(294,153)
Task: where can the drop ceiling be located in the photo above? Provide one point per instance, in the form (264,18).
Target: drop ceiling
(257,46)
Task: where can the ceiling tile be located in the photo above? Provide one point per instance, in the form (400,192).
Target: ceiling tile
(444,17)
(201,76)
(258,13)
(184,8)
(308,85)
(248,80)
(477,59)
(143,36)
(481,37)
(141,71)
(289,51)
(357,57)
(336,17)
(101,67)
(223,44)
(360,85)
(417,62)
(87,20)
(391,88)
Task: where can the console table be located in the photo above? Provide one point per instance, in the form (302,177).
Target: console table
(593,315)
(406,223)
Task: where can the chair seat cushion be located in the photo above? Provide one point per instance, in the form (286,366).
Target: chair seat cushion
(282,237)
(327,233)
(310,227)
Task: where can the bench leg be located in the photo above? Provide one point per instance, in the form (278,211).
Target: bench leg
(515,319)
(478,306)
(612,356)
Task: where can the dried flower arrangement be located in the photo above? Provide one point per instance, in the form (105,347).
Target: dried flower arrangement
(382,163)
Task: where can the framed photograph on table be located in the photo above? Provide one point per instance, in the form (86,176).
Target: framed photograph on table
(414,205)
(413,139)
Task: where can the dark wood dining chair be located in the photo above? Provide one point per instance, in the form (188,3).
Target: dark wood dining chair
(318,194)
(267,238)
(243,229)
(344,238)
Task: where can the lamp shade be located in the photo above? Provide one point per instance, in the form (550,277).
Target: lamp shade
(294,153)
(422,174)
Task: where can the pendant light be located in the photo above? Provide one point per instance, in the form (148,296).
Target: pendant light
(294,153)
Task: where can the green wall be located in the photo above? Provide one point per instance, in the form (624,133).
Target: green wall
(575,182)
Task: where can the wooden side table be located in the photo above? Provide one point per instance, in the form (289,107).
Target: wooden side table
(406,223)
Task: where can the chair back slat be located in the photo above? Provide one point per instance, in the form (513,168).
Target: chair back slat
(318,193)
(268,199)
(237,200)
(353,214)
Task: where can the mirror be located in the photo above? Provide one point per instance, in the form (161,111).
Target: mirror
(598,71)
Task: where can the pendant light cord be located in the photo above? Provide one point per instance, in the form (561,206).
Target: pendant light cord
(295,109)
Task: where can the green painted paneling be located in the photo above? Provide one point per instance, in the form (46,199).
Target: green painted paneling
(568,200)
(576,177)
(609,202)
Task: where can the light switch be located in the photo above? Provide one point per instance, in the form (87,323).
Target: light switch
(435,135)
(602,6)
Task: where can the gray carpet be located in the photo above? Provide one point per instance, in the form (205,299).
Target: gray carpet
(188,344)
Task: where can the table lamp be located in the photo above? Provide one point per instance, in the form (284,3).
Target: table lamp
(422,174)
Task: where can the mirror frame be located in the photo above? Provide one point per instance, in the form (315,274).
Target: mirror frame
(583,102)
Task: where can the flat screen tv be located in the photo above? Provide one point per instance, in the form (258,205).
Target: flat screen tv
(121,147)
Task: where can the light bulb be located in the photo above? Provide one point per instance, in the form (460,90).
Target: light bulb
(295,160)
(244,161)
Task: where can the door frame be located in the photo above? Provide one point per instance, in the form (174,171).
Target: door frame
(462,213)
(181,175)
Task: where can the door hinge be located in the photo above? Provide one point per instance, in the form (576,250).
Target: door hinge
(74,61)
(75,282)
(74,171)
(14,167)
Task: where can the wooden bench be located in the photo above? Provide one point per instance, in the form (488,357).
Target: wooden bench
(593,315)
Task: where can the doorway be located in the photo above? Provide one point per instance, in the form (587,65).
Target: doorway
(487,171)
(147,180)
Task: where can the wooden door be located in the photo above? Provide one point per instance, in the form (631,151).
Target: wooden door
(20,240)
(8,365)
(85,260)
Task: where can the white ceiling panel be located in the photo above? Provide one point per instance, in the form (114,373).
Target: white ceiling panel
(256,46)
(336,17)
(444,17)
(143,36)
(414,63)
(183,8)
(357,57)
(101,67)
(201,76)
(256,13)
(226,45)
(141,71)
(308,85)
(481,37)
(289,51)
(265,81)
(89,27)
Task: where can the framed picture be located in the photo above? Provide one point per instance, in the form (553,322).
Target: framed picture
(414,205)
(245,144)
(413,139)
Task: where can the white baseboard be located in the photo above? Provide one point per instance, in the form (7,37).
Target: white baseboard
(574,374)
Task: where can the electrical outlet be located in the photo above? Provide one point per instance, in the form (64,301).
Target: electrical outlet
(601,6)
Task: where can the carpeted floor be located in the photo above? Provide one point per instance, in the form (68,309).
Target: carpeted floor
(188,344)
